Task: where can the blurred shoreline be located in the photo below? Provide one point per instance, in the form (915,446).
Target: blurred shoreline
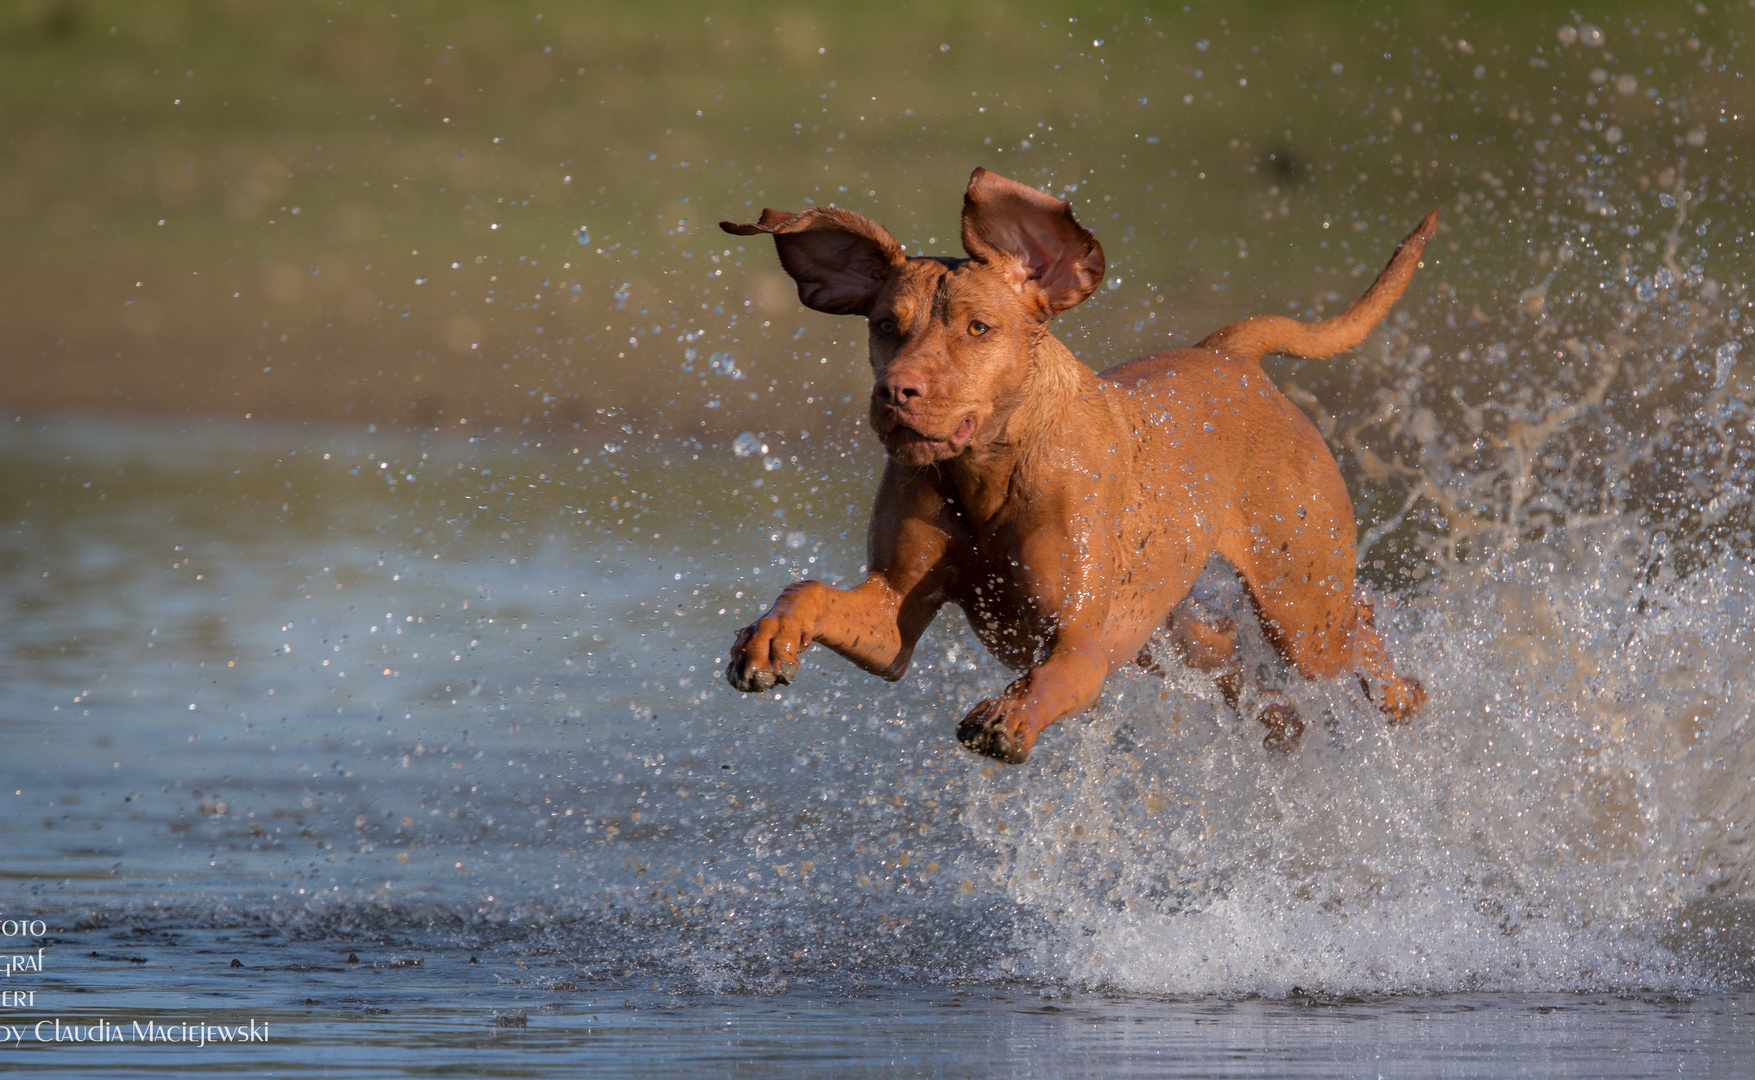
(506,214)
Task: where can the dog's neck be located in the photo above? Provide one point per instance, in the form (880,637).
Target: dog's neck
(1028,431)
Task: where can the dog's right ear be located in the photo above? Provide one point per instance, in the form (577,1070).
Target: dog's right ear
(1058,261)
(839,259)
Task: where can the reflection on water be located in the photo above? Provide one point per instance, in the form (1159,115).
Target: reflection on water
(415,1002)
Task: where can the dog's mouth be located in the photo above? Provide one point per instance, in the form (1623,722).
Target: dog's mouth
(912,447)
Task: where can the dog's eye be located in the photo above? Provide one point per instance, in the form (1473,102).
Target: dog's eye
(976,329)
(886,326)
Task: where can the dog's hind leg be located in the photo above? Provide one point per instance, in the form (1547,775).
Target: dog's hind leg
(1207,641)
(1397,695)
(1310,613)
(1293,545)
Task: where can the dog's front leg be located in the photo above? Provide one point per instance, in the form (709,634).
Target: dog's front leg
(1065,684)
(876,623)
(1066,580)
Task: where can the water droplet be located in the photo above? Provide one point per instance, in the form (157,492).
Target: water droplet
(583,235)
(771,463)
(1722,361)
(745,445)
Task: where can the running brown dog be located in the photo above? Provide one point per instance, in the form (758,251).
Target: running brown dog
(1069,513)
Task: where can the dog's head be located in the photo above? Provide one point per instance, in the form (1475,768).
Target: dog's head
(951,339)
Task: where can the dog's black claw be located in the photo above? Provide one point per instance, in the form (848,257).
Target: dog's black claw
(758,680)
(983,731)
(750,682)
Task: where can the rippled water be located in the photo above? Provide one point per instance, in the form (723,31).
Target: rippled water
(424,736)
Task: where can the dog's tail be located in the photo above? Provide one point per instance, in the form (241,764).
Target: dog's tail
(1255,338)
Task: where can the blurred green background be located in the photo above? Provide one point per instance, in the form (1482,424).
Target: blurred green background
(504,214)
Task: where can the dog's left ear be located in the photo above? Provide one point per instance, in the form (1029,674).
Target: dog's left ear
(1060,261)
(839,259)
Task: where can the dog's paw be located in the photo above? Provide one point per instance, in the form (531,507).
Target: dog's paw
(1398,697)
(1284,725)
(986,730)
(756,680)
(764,656)
(1403,699)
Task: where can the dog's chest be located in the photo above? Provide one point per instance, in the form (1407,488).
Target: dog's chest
(993,591)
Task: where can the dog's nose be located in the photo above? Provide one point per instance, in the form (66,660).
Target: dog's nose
(898,388)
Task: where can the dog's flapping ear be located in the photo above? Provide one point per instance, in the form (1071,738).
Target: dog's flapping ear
(839,259)
(1005,220)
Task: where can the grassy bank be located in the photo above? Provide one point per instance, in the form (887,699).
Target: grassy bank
(504,214)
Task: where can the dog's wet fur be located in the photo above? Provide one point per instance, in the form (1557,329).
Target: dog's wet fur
(1068,513)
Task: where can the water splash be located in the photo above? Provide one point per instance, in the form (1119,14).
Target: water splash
(1572,786)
